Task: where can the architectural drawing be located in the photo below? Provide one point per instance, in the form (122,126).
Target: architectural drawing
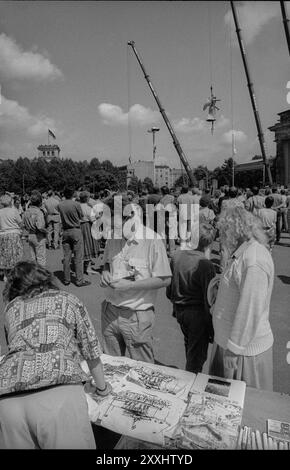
(155,379)
(209,422)
(169,407)
(119,370)
(139,407)
(137,413)
(152,377)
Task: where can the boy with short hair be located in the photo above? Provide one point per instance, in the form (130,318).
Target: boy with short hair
(192,272)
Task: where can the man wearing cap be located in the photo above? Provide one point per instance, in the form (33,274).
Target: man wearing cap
(135,266)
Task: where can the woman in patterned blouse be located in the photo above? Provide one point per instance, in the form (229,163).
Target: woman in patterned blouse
(49,333)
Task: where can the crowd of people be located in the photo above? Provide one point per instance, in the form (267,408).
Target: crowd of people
(49,331)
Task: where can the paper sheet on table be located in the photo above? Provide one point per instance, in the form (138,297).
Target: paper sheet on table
(147,400)
(140,414)
(152,377)
(233,390)
(213,415)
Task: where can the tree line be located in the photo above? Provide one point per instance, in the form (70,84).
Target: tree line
(24,174)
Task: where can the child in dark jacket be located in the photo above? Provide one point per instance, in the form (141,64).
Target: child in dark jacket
(192,272)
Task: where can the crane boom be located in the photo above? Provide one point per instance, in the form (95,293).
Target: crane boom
(164,115)
(252,94)
(286,25)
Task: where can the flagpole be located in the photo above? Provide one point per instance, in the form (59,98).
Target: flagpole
(48,137)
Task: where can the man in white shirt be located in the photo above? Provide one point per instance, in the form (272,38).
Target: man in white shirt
(135,266)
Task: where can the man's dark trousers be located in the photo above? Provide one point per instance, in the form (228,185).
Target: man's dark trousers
(197,330)
(72,242)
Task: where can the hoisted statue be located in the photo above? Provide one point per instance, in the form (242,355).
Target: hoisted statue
(212,108)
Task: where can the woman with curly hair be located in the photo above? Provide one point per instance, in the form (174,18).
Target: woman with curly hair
(49,333)
(11,248)
(242,332)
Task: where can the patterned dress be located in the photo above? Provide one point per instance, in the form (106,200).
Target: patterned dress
(48,335)
(11,248)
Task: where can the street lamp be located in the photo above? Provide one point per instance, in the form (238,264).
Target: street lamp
(153,131)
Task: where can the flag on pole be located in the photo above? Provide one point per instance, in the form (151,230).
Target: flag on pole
(50,133)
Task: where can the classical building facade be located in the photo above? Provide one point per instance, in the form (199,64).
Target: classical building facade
(282,139)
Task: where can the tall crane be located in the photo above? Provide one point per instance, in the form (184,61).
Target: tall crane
(252,94)
(167,122)
(285,23)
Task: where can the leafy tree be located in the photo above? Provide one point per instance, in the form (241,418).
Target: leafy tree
(108,166)
(94,165)
(224,173)
(133,185)
(183,180)
(6,175)
(56,173)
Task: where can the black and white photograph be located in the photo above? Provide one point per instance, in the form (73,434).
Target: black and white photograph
(144,226)
(218,387)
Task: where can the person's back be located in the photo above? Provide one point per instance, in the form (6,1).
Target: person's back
(283,197)
(10,220)
(33,220)
(30,325)
(185,198)
(255,202)
(51,205)
(268,217)
(206,215)
(167,199)
(277,199)
(154,197)
(71,217)
(70,213)
(190,273)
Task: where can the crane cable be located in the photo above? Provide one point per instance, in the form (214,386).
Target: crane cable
(210,44)
(129,106)
(232,102)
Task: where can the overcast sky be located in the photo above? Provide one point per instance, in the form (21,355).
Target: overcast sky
(66,66)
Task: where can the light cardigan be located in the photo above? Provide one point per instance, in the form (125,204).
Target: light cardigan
(241,311)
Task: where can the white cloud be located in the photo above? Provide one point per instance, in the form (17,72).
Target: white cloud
(239,137)
(253,16)
(138,115)
(186,125)
(13,116)
(16,63)
(222,122)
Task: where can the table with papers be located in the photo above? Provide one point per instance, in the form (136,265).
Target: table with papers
(167,407)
